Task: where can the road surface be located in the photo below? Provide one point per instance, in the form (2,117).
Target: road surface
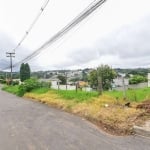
(28,125)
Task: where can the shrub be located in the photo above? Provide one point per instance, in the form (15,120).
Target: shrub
(28,86)
(2,81)
(46,84)
(31,84)
(137,79)
(15,83)
(21,90)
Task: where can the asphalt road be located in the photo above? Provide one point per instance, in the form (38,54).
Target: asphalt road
(28,125)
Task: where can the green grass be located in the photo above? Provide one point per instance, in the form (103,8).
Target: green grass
(79,96)
(11,89)
(132,94)
(137,95)
(40,90)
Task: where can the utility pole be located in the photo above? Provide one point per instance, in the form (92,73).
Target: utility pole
(10,54)
(99,80)
(124,88)
(66,80)
(100,89)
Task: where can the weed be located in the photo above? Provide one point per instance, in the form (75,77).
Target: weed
(11,89)
(79,96)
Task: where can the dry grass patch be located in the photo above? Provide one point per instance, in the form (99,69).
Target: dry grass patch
(114,118)
(51,99)
(104,111)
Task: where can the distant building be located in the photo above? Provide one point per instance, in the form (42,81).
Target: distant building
(55,82)
(118,82)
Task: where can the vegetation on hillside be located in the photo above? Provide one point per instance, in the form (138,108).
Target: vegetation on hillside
(137,79)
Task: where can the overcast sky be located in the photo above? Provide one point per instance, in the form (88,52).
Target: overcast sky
(117,34)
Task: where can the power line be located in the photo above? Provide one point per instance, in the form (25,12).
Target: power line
(32,25)
(85,13)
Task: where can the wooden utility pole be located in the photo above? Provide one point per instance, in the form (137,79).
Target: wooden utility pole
(58,85)
(99,80)
(10,54)
(100,89)
(124,88)
(66,80)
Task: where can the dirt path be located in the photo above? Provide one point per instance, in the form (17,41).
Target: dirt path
(27,125)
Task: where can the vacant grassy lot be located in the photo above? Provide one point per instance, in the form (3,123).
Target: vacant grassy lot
(106,111)
(136,95)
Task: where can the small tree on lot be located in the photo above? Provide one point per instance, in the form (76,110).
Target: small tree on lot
(102,77)
(24,72)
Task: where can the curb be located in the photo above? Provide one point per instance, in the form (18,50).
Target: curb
(144,131)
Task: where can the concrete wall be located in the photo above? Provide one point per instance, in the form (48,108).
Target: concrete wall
(133,86)
(71,87)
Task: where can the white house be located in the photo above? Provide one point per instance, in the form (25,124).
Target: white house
(118,82)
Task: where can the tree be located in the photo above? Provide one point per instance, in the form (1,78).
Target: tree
(62,79)
(102,77)
(137,79)
(93,79)
(24,72)
(27,71)
(84,76)
(75,79)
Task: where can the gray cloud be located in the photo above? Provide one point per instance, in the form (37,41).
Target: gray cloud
(128,42)
(83,55)
(7,45)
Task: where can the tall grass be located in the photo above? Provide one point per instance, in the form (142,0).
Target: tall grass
(137,95)
(40,90)
(11,89)
(79,96)
(91,106)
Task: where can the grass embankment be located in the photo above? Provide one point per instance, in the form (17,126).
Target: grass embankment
(105,110)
